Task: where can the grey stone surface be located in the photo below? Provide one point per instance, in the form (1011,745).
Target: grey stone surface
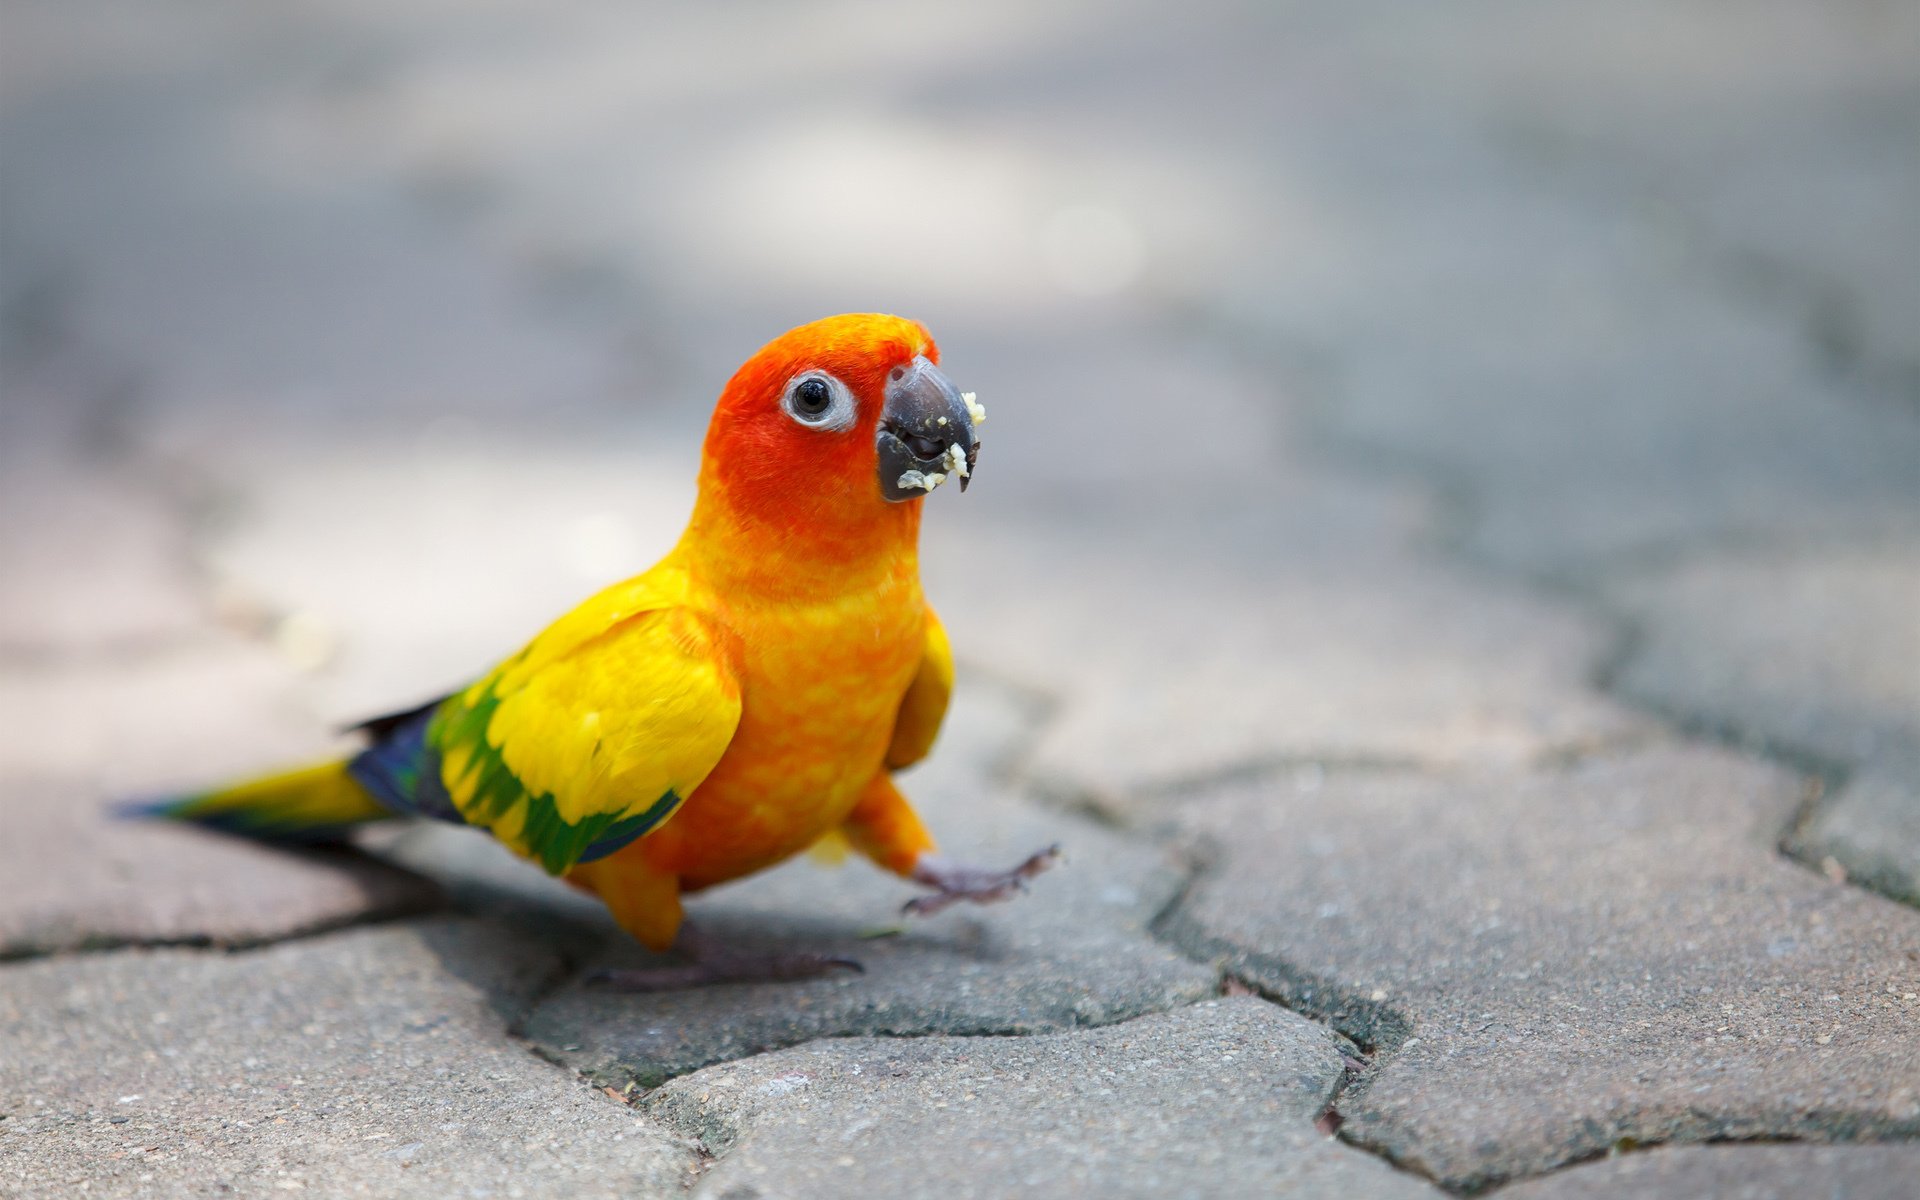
(412,321)
(1791,194)
(394,556)
(76,877)
(97,546)
(94,563)
(1603,314)
(1175,666)
(1214,1100)
(1551,962)
(185,716)
(1737,1173)
(1074,951)
(1870,832)
(1814,651)
(373,1062)
(87,736)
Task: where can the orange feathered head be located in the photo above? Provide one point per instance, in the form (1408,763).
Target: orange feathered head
(837,421)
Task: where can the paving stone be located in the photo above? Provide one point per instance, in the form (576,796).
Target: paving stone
(1570,453)
(1552,962)
(373,1062)
(1474,266)
(1812,650)
(96,550)
(1073,952)
(82,738)
(418,570)
(1217,1099)
(1871,831)
(147,724)
(1797,189)
(96,546)
(76,877)
(252,302)
(1736,1173)
(93,563)
(1167,667)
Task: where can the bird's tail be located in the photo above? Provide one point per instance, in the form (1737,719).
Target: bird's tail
(319,803)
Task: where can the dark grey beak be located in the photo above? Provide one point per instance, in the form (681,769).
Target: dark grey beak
(926,433)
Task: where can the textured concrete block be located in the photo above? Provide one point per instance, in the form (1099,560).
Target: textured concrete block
(1553,962)
(1214,1100)
(374,1062)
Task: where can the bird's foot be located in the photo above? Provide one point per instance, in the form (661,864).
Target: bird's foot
(715,962)
(953,882)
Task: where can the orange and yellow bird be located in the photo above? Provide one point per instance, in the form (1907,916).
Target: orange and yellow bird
(750,694)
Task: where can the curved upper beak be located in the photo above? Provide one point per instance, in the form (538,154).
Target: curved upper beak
(926,433)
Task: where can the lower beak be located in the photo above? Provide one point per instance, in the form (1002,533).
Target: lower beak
(926,433)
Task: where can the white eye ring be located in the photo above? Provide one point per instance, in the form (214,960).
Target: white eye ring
(819,401)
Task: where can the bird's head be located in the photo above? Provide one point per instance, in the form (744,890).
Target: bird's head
(838,421)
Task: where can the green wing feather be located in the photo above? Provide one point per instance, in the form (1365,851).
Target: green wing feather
(597,731)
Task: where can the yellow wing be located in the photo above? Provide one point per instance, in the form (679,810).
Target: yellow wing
(925,704)
(597,731)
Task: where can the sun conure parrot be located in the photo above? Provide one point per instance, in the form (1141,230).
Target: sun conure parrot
(749,695)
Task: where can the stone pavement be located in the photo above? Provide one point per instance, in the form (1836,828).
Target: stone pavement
(1446,564)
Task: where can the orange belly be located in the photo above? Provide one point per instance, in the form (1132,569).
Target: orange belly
(820,691)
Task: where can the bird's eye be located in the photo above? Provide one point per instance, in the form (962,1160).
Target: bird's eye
(812,397)
(818,400)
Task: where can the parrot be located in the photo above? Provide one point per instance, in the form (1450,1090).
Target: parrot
(747,697)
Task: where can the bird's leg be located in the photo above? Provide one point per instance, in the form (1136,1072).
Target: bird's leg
(953,882)
(714,961)
(883,827)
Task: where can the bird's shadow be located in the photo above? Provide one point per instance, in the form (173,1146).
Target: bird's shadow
(558,934)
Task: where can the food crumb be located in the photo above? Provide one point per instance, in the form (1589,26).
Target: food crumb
(928,481)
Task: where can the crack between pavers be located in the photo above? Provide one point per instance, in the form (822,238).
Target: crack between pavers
(1372,1032)
(1821,314)
(718,1139)
(1579,590)
(1822,777)
(643,1079)
(1367,1031)
(213,946)
(1377,1028)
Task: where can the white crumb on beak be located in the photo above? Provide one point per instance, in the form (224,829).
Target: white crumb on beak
(914,479)
(956,461)
(975,409)
(943,420)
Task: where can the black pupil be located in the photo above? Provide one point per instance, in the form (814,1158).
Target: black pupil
(812,397)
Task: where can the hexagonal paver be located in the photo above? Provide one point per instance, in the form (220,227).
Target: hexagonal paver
(1075,951)
(83,738)
(1870,832)
(372,1062)
(1170,665)
(1215,1100)
(78,877)
(1552,962)
(1815,650)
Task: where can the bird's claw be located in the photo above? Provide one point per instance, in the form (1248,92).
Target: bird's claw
(955,882)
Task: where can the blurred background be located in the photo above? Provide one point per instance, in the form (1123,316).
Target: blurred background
(1397,382)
